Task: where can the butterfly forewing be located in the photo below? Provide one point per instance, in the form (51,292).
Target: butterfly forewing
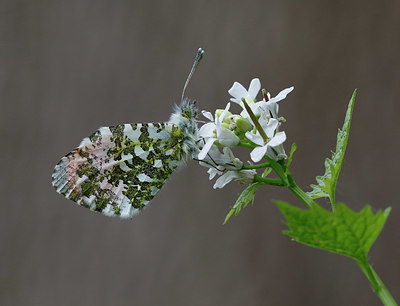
(119,169)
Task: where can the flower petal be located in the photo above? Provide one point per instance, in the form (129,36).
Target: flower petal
(271,127)
(278,139)
(258,107)
(226,137)
(273,107)
(208,115)
(225,179)
(258,153)
(234,163)
(221,118)
(207,130)
(276,152)
(256,138)
(213,172)
(254,88)
(282,95)
(206,148)
(215,156)
(238,92)
(264,120)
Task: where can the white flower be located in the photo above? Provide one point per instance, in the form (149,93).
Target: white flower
(227,166)
(275,140)
(238,92)
(215,131)
(271,106)
(243,176)
(221,161)
(277,152)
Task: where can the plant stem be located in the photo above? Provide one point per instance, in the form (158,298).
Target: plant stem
(302,195)
(246,144)
(333,201)
(278,170)
(380,289)
(256,166)
(268,181)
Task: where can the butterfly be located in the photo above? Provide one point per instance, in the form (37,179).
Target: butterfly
(119,169)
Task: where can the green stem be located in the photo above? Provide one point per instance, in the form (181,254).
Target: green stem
(268,181)
(265,165)
(246,144)
(278,170)
(333,201)
(380,289)
(302,195)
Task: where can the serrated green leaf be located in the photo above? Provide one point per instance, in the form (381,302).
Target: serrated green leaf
(327,183)
(343,231)
(243,200)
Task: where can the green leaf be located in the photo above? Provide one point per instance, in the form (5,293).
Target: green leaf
(266,172)
(243,200)
(292,150)
(327,183)
(343,231)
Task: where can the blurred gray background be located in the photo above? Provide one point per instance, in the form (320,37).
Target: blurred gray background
(69,67)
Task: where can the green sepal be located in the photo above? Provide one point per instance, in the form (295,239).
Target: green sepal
(327,183)
(343,231)
(243,200)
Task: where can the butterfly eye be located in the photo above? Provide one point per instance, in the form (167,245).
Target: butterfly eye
(187,113)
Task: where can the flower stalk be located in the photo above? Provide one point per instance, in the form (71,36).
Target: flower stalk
(258,128)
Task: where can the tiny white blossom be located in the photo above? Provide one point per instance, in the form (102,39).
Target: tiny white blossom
(272,103)
(227,166)
(277,152)
(215,131)
(221,161)
(243,176)
(213,172)
(271,106)
(275,139)
(238,92)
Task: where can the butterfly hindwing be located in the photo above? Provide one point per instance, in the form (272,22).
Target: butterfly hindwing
(119,169)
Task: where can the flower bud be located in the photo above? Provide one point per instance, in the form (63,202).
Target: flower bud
(224,124)
(241,123)
(219,112)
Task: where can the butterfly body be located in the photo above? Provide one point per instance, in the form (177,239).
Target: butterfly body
(118,170)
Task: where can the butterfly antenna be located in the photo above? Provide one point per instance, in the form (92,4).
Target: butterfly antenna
(199,56)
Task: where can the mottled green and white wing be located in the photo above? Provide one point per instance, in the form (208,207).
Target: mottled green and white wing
(119,169)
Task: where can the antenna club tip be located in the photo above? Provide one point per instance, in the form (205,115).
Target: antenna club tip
(200,52)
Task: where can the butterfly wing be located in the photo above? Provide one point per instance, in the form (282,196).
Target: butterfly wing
(119,169)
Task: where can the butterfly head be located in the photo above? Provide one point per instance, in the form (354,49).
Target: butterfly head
(188,109)
(184,116)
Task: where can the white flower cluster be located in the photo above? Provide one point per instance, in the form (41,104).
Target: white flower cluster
(228,130)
